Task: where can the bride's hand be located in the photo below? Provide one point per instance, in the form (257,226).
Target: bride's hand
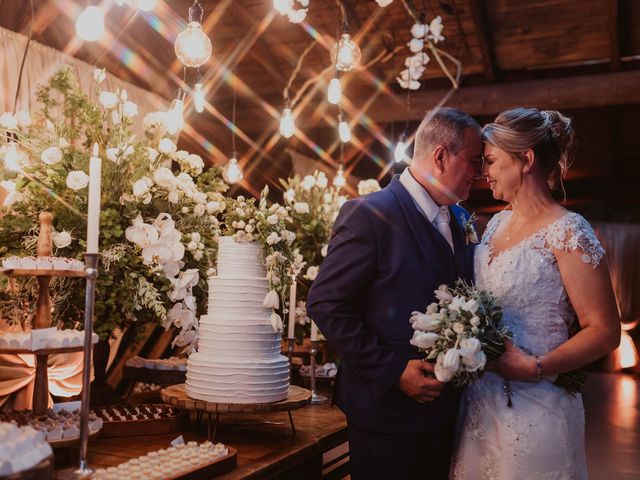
(514,364)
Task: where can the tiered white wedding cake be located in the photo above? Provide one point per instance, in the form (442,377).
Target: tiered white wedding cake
(238,358)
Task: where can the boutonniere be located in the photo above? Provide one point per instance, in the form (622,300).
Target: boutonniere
(470,233)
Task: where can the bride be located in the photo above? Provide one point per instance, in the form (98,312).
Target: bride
(546,268)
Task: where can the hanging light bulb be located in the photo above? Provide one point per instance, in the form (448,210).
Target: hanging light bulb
(339,180)
(334,92)
(345,54)
(146,5)
(193,47)
(344,131)
(283,6)
(175,116)
(400,152)
(287,123)
(90,24)
(232,172)
(13,158)
(198,97)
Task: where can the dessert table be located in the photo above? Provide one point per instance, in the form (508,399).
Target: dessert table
(264,443)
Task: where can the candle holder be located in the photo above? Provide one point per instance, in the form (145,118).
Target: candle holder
(91,270)
(316,398)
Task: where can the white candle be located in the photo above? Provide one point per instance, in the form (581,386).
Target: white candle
(93,213)
(314,331)
(292,308)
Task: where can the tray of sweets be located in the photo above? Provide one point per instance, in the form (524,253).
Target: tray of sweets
(144,419)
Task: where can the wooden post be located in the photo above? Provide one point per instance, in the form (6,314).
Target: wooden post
(43,318)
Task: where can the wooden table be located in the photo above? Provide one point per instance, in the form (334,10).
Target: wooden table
(265,445)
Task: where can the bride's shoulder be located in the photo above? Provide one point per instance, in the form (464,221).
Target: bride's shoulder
(572,231)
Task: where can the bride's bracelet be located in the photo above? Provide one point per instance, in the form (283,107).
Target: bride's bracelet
(538,368)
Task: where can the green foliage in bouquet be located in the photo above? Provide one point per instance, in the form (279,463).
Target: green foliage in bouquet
(158,227)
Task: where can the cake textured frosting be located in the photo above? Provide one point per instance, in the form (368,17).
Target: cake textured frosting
(238,358)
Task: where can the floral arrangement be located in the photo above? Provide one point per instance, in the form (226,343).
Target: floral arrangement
(460,332)
(415,64)
(158,226)
(368,186)
(312,206)
(246,222)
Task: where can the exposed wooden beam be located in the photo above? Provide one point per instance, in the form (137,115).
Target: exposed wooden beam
(479,15)
(614,36)
(617,88)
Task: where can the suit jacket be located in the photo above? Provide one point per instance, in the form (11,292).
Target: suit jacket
(384,261)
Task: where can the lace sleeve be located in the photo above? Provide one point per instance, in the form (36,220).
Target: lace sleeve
(572,232)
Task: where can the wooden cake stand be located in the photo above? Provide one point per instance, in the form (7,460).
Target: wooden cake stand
(176,395)
(43,314)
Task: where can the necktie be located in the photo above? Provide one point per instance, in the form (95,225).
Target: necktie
(442,224)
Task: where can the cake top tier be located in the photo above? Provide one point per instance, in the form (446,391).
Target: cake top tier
(240,259)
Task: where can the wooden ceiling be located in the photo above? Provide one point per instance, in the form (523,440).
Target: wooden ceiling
(579,56)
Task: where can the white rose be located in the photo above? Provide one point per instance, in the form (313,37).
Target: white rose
(419,30)
(152,153)
(290,195)
(426,323)
(200,197)
(312,273)
(474,362)
(185,210)
(197,255)
(442,374)
(327,198)
(142,186)
(323,252)
(471,306)
(200,209)
(191,246)
(164,177)
(301,207)
(108,99)
(167,146)
(469,346)
(112,154)
(129,109)
(424,340)
(77,180)
(173,197)
(249,228)
(322,181)
(61,239)
(308,182)
(212,207)
(416,45)
(271,300)
(195,236)
(457,303)
(51,155)
(8,121)
(475,321)
(23,118)
(272,219)
(195,162)
(451,360)
(443,294)
(458,327)
(241,224)
(273,238)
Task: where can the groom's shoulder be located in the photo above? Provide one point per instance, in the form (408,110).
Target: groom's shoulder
(374,203)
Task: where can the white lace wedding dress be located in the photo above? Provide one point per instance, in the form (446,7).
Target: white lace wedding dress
(542,435)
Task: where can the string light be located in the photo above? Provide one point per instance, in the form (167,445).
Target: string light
(287,123)
(334,92)
(344,131)
(345,54)
(339,180)
(198,97)
(232,173)
(175,116)
(400,152)
(193,47)
(90,24)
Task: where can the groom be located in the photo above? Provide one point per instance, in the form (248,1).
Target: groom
(389,251)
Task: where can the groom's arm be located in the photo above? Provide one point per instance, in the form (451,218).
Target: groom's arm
(337,296)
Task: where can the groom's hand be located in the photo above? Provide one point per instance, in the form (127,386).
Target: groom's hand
(417,381)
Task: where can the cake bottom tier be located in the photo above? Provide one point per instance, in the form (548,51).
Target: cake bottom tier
(221,380)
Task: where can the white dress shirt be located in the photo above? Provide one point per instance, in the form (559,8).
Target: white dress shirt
(426,206)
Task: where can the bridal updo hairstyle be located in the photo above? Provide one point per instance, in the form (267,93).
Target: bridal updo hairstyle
(547,132)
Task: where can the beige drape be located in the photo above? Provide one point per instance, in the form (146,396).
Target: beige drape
(622,244)
(42,62)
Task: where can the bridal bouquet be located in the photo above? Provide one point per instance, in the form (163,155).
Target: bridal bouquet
(460,332)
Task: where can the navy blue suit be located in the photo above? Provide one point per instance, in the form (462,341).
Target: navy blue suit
(384,261)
